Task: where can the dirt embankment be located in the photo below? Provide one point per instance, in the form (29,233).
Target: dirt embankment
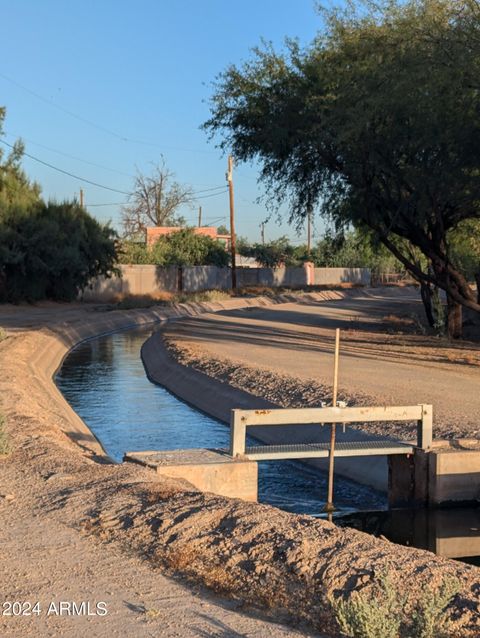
(259,556)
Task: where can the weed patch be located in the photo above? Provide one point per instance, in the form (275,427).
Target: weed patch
(380,612)
(5,447)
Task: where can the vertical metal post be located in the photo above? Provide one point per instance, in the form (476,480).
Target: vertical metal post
(331,457)
(238,431)
(425,428)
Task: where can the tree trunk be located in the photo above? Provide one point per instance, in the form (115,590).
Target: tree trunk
(477,279)
(454,318)
(426,294)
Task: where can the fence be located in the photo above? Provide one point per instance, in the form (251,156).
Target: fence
(150,280)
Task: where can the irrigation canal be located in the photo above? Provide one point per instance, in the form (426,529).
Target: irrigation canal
(104,381)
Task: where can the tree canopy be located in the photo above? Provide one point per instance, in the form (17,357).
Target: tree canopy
(47,250)
(154,201)
(377,123)
(180,248)
(15,187)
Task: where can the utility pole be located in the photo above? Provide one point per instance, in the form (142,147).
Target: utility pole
(81,198)
(199,216)
(309,229)
(232,220)
(262,225)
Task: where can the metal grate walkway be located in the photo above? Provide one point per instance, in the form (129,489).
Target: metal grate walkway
(377,447)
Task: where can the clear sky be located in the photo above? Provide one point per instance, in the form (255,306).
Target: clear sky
(136,76)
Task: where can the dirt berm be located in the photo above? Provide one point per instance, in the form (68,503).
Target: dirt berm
(286,564)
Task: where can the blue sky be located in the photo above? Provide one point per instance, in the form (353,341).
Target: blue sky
(137,77)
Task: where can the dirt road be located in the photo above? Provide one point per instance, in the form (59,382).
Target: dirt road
(384,360)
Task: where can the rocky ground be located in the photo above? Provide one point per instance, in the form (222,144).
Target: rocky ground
(75,527)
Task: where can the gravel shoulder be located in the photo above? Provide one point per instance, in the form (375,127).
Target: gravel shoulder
(76,527)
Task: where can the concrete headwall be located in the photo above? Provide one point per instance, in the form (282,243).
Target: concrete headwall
(150,280)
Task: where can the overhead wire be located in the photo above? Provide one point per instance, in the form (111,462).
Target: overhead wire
(78,159)
(80,118)
(220,189)
(61,170)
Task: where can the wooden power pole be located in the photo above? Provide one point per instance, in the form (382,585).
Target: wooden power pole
(232,219)
(262,225)
(199,216)
(81,197)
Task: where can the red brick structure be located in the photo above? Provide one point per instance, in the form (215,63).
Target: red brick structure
(154,232)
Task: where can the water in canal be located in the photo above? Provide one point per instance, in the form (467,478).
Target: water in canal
(105,383)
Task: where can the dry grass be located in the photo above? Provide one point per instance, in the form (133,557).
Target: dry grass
(5,447)
(129,302)
(163,298)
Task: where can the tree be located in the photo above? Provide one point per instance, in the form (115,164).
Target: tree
(180,248)
(278,252)
(377,123)
(51,251)
(465,250)
(15,187)
(223,230)
(46,250)
(154,201)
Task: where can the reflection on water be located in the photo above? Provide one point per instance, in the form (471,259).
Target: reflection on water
(105,382)
(453,533)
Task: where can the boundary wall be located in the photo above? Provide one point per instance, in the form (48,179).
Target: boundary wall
(152,280)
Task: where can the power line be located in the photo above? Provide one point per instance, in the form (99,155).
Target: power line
(211,195)
(214,188)
(224,190)
(109,188)
(123,138)
(78,159)
(61,108)
(109,204)
(60,170)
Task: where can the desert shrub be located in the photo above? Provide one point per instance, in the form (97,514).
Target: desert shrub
(5,447)
(371,614)
(379,612)
(203,295)
(52,251)
(430,618)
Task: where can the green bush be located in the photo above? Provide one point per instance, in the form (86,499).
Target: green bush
(380,612)
(430,619)
(51,251)
(372,614)
(180,248)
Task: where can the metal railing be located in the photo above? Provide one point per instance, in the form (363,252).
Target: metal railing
(241,419)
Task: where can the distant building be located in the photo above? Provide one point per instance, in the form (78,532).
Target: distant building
(154,232)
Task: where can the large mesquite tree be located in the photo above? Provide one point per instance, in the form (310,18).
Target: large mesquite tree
(377,123)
